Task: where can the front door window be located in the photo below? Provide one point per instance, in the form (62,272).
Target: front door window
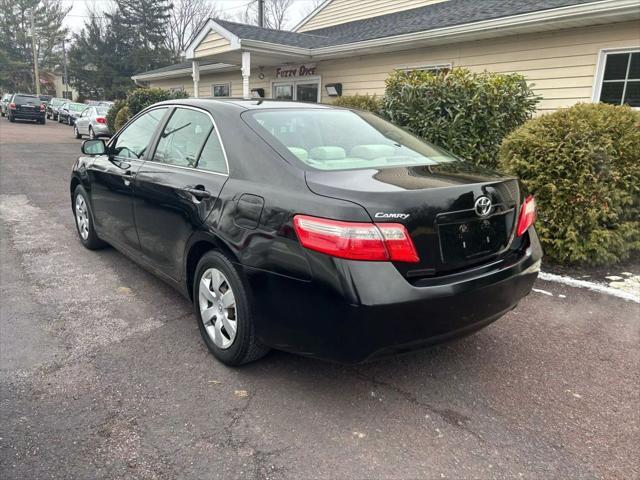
(307,92)
(300,91)
(283,92)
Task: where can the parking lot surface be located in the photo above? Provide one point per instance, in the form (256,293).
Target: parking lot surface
(104,375)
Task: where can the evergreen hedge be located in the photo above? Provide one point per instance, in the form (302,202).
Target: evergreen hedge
(583,166)
(370,103)
(467,113)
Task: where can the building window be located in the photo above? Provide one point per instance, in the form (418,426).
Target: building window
(618,77)
(435,68)
(221,90)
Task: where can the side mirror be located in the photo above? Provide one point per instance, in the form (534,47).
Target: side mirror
(94,147)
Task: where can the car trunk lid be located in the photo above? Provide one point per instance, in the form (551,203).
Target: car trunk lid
(438,205)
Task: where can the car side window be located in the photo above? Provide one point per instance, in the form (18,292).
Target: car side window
(212,157)
(183,137)
(134,141)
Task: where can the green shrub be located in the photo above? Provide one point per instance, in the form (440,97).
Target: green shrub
(123,116)
(467,113)
(112,113)
(583,166)
(370,103)
(140,98)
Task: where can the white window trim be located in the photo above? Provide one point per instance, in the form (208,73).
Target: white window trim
(600,66)
(429,66)
(292,81)
(221,84)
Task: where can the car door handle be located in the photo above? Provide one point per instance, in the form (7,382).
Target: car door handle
(127,177)
(199,192)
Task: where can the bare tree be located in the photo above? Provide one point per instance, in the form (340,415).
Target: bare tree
(187,17)
(276,13)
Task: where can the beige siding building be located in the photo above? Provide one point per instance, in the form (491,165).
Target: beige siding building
(569,50)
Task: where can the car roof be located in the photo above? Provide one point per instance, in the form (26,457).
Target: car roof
(242,104)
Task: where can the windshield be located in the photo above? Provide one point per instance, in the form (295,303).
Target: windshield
(25,99)
(343,139)
(57,101)
(77,107)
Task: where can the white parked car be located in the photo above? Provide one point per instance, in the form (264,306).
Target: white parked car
(92,122)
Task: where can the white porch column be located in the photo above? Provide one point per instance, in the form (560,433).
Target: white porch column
(246,73)
(196,78)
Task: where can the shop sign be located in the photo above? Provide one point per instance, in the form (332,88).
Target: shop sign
(295,71)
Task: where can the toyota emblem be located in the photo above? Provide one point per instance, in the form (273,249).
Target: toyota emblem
(483,206)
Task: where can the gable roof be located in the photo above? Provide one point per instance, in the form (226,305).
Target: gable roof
(425,18)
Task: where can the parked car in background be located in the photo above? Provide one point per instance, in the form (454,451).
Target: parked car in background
(4,104)
(323,231)
(23,106)
(53,106)
(70,111)
(45,99)
(92,122)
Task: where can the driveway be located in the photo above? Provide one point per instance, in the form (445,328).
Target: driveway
(104,374)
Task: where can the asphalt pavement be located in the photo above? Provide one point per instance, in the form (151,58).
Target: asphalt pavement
(104,375)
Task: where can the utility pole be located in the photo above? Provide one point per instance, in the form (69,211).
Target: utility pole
(261,13)
(65,78)
(36,71)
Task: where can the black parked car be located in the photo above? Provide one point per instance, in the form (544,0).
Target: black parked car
(26,107)
(53,106)
(308,228)
(69,111)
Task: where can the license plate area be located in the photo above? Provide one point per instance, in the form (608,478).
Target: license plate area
(473,238)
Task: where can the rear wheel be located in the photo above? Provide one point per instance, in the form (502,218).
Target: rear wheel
(76,132)
(84,220)
(224,311)
(69,121)
(11,119)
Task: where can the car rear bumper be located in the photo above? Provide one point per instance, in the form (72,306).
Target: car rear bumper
(27,115)
(101,130)
(371,310)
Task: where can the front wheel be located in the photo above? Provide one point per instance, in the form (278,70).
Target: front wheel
(84,220)
(76,132)
(224,311)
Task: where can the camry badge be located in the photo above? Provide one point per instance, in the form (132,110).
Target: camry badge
(401,216)
(483,206)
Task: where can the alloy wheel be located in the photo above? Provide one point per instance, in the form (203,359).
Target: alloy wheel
(217,308)
(69,120)
(75,131)
(82,217)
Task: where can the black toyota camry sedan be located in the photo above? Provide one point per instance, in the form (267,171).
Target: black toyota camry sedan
(313,229)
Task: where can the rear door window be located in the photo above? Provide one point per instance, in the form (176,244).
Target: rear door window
(183,138)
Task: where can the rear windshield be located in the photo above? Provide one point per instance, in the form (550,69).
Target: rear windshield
(102,110)
(77,107)
(57,101)
(26,99)
(344,139)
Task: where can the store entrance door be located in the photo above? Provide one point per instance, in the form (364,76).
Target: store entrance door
(299,90)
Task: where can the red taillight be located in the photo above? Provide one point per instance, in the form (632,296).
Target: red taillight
(12,106)
(355,240)
(101,120)
(42,107)
(527,215)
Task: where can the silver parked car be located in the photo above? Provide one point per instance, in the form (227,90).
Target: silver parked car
(92,122)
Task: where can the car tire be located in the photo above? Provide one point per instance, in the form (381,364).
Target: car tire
(76,132)
(92,134)
(69,122)
(1,113)
(84,220)
(11,119)
(59,120)
(208,290)
(43,121)
(48,116)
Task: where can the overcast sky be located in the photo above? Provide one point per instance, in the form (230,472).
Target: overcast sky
(230,9)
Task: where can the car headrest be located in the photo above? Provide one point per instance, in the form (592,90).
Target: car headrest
(327,153)
(301,153)
(369,152)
